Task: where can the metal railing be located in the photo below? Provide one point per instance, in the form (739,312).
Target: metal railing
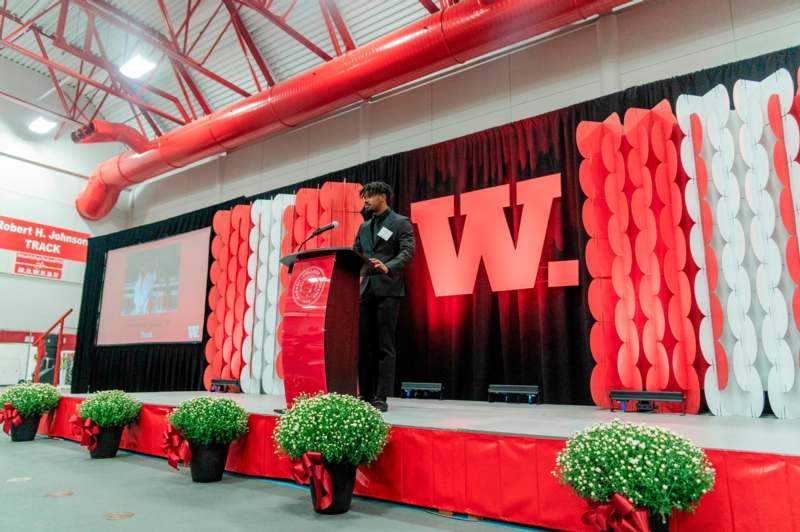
(41,352)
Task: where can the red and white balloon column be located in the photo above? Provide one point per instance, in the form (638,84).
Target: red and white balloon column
(248,283)
(734,174)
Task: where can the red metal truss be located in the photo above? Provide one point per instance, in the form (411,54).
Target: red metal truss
(37,108)
(151,37)
(247,41)
(101,61)
(332,17)
(84,76)
(429,5)
(50,64)
(114,84)
(96,69)
(280,21)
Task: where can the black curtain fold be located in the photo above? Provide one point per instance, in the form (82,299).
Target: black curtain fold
(537,336)
(145,367)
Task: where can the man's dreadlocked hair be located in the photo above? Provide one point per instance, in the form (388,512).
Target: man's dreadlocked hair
(377,187)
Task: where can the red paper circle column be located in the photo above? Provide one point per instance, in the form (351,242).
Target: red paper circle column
(664,133)
(632,215)
(604,341)
(241,216)
(215,324)
(637,136)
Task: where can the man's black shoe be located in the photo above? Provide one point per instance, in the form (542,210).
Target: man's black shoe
(380,405)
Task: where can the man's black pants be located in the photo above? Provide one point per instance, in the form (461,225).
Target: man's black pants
(376,350)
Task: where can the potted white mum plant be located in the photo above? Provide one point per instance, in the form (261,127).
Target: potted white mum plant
(328,436)
(209,425)
(634,476)
(22,407)
(101,419)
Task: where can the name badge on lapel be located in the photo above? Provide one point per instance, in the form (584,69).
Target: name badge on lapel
(385,234)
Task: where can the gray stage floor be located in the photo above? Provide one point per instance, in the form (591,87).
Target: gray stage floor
(49,485)
(767,435)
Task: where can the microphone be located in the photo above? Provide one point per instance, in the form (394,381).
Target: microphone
(333,225)
(318,231)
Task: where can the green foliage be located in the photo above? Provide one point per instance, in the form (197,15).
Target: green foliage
(207,420)
(651,466)
(31,399)
(340,427)
(111,408)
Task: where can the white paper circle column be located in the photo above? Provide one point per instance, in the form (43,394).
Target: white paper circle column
(258,374)
(270,381)
(771,169)
(730,219)
(695,167)
(713,201)
(251,353)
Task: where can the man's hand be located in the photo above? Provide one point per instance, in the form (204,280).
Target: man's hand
(378,265)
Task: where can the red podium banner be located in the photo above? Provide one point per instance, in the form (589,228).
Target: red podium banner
(304,327)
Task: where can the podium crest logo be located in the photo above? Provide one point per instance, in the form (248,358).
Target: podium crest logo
(308,286)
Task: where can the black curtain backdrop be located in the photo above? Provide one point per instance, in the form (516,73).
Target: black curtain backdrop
(136,368)
(537,336)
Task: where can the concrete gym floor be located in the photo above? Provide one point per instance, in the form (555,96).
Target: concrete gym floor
(50,484)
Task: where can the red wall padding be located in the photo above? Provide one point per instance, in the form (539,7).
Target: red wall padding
(496,476)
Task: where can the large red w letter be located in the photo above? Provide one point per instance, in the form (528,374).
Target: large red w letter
(486,235)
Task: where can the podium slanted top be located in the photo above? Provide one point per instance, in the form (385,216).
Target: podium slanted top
(348,256)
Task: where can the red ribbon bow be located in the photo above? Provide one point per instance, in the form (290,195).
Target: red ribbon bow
(85,429)
(176,448)
(9,416)
(618,514)
(311,466)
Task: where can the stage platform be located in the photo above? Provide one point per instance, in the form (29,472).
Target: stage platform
(495,460)
(761,435)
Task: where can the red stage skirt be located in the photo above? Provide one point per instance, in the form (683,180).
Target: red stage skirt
(496,476)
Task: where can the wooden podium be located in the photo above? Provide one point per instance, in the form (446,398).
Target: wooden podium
(320,322)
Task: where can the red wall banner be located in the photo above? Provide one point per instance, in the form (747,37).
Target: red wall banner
(31,237)
(40,250)
(38,266)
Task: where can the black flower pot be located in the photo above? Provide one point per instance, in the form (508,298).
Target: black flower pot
(107,442)
(656,525)
(208,461)
(26,431)
(343,480)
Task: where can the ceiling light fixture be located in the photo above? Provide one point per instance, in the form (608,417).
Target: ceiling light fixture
(41,125)
(136,67)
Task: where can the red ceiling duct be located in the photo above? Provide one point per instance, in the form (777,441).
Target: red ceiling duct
(454,35)
(102,131)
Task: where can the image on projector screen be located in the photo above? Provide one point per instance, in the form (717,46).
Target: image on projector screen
(152,281)
(155,292)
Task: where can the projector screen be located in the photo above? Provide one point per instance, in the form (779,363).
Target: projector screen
(155,292)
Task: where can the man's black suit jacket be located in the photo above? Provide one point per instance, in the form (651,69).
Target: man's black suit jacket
(395,252)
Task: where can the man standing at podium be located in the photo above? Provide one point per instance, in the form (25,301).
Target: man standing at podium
(387,240)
